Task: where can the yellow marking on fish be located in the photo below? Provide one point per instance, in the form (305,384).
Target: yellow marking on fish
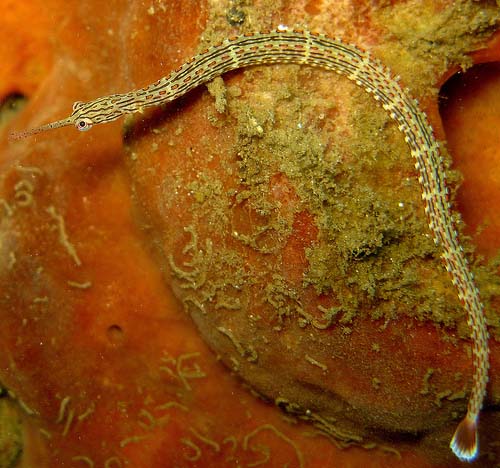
(302,47)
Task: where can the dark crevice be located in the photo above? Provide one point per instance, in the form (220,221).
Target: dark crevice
(11,105)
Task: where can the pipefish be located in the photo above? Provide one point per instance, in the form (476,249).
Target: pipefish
(302,47)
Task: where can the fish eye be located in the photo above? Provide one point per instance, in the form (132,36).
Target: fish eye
(83,124)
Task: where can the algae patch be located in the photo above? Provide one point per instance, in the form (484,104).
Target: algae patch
(432,38)
(11,441)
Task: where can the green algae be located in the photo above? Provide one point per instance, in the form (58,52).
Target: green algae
(373,236)
(11,440)
(433,38)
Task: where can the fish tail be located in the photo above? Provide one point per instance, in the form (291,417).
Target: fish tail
(465,444)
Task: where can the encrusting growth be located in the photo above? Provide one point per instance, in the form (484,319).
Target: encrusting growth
(301,47)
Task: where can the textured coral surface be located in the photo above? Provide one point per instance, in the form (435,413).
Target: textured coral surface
(104,246)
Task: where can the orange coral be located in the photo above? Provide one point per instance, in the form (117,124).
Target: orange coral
(94,343)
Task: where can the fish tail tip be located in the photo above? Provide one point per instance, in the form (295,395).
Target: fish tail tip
(465,443)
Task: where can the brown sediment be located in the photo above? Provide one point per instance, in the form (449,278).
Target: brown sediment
(446,34)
